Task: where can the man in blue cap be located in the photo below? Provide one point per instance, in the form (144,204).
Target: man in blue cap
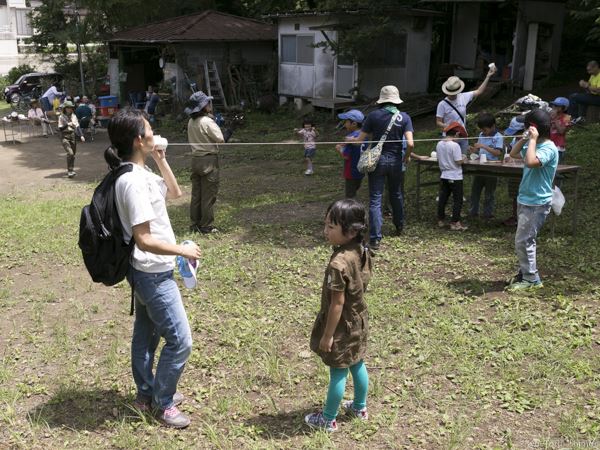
(353,120)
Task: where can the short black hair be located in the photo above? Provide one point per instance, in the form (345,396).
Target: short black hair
(486,120)
(540,119)
(351,215)
(308,121)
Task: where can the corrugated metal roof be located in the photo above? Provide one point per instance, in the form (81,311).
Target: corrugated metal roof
(204,26)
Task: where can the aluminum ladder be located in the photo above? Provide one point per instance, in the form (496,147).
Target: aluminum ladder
(214,87)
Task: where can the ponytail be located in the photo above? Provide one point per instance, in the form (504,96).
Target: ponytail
(112,158)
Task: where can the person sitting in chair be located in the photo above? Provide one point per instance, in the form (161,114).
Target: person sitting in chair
(38,117)
(579,102)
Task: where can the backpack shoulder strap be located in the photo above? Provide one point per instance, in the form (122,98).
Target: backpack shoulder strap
(462,119)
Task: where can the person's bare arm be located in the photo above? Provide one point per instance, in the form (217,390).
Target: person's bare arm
(439,123)
(481,89)
(333,318)
(531,159)
(493,150)
(515,152)
(148,243)
(410,146)
(173,189)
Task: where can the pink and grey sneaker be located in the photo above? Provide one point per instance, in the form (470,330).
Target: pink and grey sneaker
(361,414)
(172,417)
(316,420)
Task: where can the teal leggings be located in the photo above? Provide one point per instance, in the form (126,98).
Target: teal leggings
(337,386)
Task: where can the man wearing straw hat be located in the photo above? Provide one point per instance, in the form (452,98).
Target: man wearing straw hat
(389,166)
(454,107)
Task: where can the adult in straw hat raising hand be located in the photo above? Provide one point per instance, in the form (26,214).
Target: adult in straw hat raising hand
(453,108)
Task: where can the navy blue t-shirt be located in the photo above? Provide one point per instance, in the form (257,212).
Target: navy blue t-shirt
(377,122)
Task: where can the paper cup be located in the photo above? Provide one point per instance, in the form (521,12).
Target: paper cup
(160,143)
(482,158)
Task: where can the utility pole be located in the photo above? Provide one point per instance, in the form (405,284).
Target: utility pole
(78,43)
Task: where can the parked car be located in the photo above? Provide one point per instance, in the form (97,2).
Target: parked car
(29,82)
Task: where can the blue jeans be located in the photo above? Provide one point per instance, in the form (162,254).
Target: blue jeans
(159,313)
(480,183)
(579,103)
(530,221)
(389,168)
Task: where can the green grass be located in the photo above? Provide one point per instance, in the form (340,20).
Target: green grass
(454,361)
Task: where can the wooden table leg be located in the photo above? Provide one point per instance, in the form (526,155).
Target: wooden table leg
(574,223)
(418,191)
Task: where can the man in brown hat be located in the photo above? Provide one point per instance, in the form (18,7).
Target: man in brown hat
(453,108)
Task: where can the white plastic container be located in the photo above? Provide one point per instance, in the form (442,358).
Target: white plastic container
(160,143)
(482,158)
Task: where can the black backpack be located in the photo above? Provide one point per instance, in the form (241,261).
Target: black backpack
(105,254)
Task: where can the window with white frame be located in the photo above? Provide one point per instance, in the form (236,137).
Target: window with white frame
(297,49)
(23,22)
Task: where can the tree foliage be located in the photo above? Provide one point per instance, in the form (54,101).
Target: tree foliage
(14,73)
(587,14)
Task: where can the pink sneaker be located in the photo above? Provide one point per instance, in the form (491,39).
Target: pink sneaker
(361,414)
(316,420)
(172,417)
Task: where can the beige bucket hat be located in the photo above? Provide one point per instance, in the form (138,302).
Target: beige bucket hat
(453,86)
(389,94)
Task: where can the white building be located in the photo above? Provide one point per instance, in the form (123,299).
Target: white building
(15,26)
(317,75)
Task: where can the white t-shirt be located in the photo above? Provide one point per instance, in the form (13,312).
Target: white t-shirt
(448,152)
(447,113)
(140,197)
(51,94)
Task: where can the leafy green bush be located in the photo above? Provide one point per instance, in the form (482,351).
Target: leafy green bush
(3,82)
(17,71)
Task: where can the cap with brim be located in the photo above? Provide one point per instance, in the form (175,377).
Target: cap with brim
(453,86)
(389,94)
(457,128)
(68,104)
(560,101)
(354,115)
(197,102)
(516,125)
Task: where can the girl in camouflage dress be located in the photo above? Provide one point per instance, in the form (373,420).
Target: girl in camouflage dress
(339,334)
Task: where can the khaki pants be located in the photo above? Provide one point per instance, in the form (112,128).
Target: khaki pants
(205,186)
(70,146)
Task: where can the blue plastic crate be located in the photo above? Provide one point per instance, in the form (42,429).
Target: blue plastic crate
(108,100)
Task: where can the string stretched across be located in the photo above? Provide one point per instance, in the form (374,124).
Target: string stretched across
(327,142)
